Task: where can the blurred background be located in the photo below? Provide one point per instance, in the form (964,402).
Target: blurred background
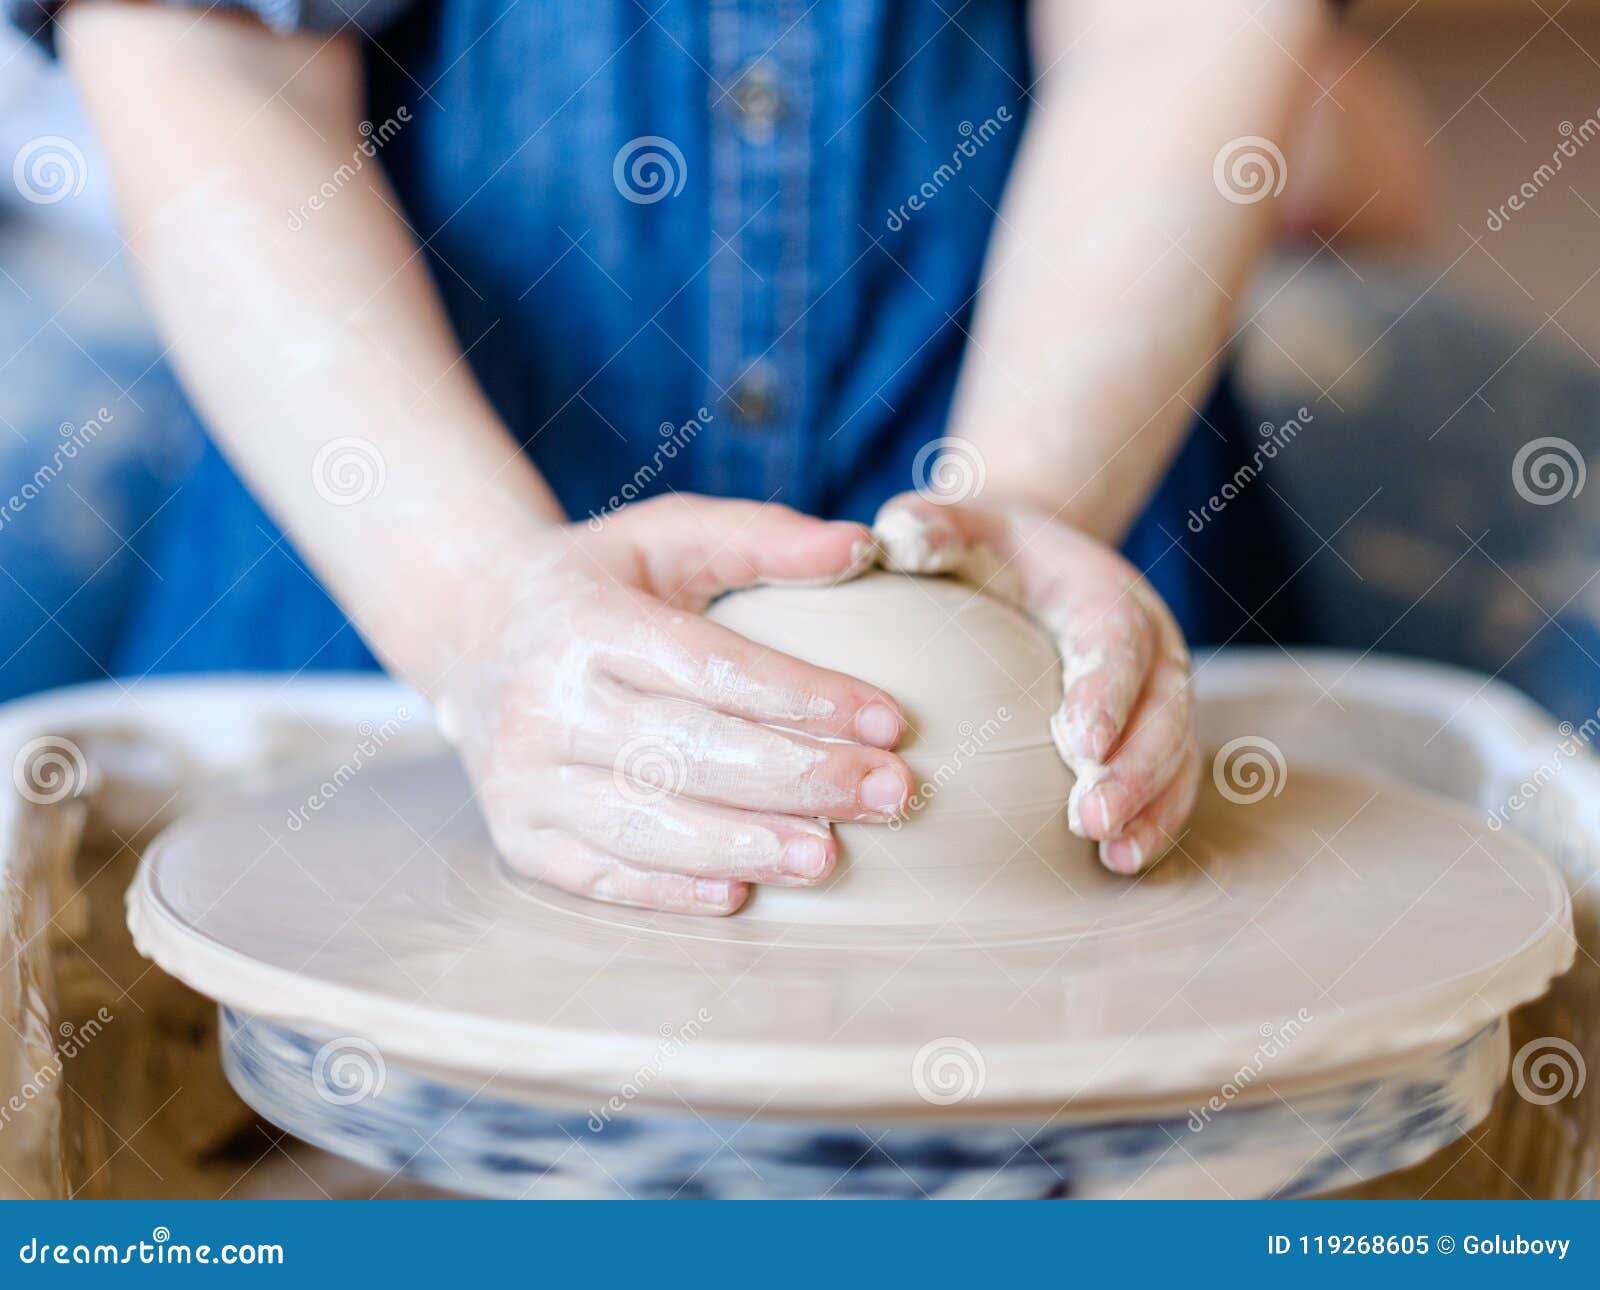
(1435,299)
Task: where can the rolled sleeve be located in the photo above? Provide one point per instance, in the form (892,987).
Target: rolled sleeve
(36,18)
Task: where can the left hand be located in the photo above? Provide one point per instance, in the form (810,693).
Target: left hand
(1126,723)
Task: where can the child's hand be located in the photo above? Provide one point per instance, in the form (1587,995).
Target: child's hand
(620,743)
(1126,723)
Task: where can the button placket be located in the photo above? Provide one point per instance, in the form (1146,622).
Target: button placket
(753,397)
(757,100)
(754,358)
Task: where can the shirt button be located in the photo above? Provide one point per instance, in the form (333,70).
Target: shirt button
(753,398)
(756,97)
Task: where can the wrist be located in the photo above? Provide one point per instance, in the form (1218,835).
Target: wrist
(442,607)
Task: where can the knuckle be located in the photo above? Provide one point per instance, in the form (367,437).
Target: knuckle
(1138,784)
(516,846)
(640,831)
(723,677)
(1189,782)
(585,876)
(835,767)
(663,505)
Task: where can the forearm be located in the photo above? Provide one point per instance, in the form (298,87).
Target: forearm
(1116,265)
(292,335)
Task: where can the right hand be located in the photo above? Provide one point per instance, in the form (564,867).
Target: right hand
(627,749)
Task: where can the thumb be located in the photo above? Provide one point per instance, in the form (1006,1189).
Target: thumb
(696,548)
(920,536)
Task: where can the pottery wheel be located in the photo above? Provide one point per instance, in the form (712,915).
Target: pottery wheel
(389,917)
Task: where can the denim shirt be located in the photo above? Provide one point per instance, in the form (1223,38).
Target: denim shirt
(638,211)
(715,246)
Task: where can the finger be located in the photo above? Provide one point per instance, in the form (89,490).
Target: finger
(695,548)
(658,831)
(915,535)
(669,747)
(1105,662)
(687,657)
(572,866)
(1108,623)
(1152,833)
(1142,765)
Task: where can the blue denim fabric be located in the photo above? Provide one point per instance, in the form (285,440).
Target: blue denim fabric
(766,209)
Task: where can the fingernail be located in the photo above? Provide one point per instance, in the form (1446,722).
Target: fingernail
(712,891)
(883,790)
(1101,807)
(1122,855)
(805,857)
(878,725)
